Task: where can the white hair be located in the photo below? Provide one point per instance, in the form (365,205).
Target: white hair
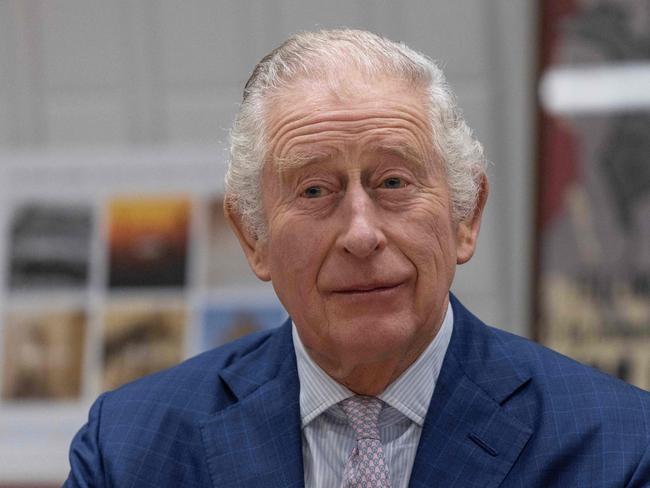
(317,55)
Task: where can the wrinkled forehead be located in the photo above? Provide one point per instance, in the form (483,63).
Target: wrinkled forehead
(349,101)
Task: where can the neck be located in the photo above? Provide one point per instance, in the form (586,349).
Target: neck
(369,379)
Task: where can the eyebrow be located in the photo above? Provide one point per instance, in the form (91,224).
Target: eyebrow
(403,151)
(301,159)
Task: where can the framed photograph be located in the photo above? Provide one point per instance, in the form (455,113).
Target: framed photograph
(226,321)
(49,246)
(141,338)
(43,354)
(148,241)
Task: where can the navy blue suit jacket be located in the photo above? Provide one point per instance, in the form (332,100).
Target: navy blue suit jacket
(505,412)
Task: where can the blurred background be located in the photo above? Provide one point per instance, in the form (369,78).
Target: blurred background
(115,259)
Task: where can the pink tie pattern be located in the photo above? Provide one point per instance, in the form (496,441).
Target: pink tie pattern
(366,466)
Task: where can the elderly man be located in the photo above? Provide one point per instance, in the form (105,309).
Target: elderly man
(356,187)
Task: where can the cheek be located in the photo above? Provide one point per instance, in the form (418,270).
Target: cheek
(429,242)
(295,255)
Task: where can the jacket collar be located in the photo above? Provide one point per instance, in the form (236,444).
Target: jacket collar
(468,433)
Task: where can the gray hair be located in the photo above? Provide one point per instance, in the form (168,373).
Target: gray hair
(314,55)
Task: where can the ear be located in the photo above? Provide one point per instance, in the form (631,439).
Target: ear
(254,248)
(467,230)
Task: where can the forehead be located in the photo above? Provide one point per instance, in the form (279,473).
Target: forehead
(349,112)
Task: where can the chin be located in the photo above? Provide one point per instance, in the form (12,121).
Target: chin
(372,339)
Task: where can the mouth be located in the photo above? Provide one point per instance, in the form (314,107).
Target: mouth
(367,289)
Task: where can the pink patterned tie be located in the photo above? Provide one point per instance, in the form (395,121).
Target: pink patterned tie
(366,466)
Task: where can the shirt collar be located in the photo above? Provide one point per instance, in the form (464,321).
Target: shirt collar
(410,393)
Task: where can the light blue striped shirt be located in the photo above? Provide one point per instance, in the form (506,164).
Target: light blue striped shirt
(328,440)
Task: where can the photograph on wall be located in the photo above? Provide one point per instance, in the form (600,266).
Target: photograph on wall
(148,241)
(225,322)
(226,263)
(141,338)
(43,355)
(594,206)
(49,246)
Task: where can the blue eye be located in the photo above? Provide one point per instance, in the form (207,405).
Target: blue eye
(393,182)
(313,192)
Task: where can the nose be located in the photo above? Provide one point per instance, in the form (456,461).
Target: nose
(361,235)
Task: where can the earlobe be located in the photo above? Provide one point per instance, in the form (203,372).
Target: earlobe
(467,231)
(254,248)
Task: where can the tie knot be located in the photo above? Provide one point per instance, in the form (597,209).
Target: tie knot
(363,415)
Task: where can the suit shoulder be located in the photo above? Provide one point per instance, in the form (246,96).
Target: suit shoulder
(142,422)
(506,366)
(561,375)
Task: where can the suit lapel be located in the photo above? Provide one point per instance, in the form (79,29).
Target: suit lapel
(257,440)
(468,434)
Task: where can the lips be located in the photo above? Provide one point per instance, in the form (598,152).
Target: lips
(364,288)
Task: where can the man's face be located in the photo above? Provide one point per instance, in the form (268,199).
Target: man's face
(361,245)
